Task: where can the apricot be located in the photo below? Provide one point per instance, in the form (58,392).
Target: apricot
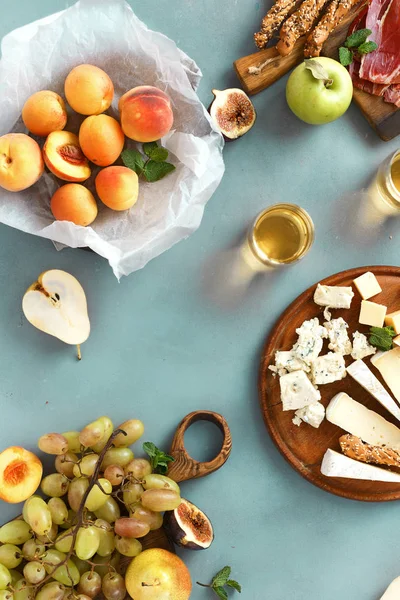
(117,187)
(44,112)
(74,202)
(101,139)
(64,157)
(146,113)
(20,474)
(89,90)
(21,162)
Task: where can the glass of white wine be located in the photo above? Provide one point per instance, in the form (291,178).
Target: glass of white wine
(281,235)
(384,192)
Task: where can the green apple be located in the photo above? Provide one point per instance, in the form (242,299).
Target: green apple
(319,91)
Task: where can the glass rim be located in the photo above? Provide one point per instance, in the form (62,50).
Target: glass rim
(388,173)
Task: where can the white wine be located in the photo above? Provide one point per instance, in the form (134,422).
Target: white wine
(281,234)
(384,191)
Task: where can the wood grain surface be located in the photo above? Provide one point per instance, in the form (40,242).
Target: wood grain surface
(382,116)
(304,447)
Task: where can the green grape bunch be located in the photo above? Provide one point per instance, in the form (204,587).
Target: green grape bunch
(93,510)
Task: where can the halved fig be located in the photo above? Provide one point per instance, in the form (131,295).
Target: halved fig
(189,527)
(232,112)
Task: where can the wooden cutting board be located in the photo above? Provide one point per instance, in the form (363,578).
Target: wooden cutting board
(304,447)
(382,116)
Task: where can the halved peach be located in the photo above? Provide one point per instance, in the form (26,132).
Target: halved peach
(64,157)
(21,162)
(20,474)
(44,112)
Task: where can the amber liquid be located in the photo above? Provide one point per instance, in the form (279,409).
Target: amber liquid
(385,189)
(281,234)
(395,173)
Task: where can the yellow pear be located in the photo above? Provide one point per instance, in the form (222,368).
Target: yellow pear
(56,304)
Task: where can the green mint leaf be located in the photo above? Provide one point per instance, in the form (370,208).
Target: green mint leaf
(221,577)
(154,171)
(357,38)
(133,160)
(221,593)
(149,148)
(150,449)
(159,154)
(367,47)
(159,460)
(345,56)
(381,337)
(316,68)
(235,585)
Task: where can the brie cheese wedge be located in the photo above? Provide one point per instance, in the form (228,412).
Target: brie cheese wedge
(335,464)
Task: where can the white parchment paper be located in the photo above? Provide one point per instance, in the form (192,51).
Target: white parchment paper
(107,33)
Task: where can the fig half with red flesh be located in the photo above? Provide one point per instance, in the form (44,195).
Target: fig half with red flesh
(189,527)
(232,113)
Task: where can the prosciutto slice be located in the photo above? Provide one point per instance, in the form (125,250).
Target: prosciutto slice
(383,65)
(376,89)
(392,95)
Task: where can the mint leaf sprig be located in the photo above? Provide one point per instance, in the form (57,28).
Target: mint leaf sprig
(220,582)
(382,337)
(356,42)
(159,460)
(154,167)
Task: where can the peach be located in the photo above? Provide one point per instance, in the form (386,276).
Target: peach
(20,474)
(146,113)
(64,157)
(156,574)
(74,202)
(101,139)
(89,90)
(21,162)
(117,187)
(44,112)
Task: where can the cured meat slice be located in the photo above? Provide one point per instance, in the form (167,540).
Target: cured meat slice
(383,65)
(392,95)
(376,89)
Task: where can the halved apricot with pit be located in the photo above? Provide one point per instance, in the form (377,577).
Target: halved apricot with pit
(20,474)
(64,157)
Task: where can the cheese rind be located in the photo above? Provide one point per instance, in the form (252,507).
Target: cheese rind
(393,320)
(389,367)
(367,285)
(365,377)
(297,391)
(357,419)
(333,296)
(338,465)
(372,314)
(393,591)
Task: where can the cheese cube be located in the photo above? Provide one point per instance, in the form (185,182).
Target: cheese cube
(372,314)
(367,285)
(396,341)
(393,320)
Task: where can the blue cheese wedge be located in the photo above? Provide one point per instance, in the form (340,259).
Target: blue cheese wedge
(361,373)
(313,414)
(393,591)
(333,296)
(338,336)
(338,465)
(297,391)
(311,339)
(287,360)
(361,347)
(328,368)
(357,419)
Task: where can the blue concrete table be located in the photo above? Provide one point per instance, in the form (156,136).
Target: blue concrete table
(162,346)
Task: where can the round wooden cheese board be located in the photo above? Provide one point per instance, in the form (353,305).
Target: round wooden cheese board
(304,447)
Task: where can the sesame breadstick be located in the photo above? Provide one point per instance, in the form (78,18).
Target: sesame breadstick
(334,15)
(273,20)
(299,24)
(354,447)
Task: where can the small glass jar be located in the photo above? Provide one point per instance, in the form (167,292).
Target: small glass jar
(281,235)
(384,192)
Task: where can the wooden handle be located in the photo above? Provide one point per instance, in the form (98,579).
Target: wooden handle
(185,467)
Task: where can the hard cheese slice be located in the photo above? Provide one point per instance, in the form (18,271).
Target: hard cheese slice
(393,591)
(338,465)
(389,367)
(357,419)
(365,377)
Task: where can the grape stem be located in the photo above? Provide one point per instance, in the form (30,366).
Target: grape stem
(81,511)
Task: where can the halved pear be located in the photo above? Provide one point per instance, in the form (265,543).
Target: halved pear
(56,304)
